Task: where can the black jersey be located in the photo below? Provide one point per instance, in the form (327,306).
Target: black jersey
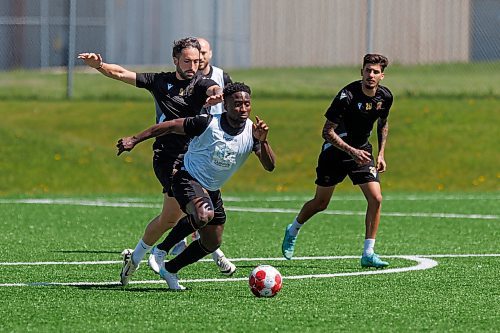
(174,99)
(355,113)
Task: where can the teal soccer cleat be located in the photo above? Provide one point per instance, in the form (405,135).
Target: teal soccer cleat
(288,245)
(373,261)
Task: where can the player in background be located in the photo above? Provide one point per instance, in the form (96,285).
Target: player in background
(157,257)
(178,94)
(347,151)
(220,145)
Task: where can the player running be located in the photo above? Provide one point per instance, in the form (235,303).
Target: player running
(347,151)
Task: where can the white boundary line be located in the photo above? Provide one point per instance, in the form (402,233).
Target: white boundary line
(423,263)
(127,203)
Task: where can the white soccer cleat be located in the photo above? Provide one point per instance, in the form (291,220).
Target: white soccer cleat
(179,247)
(128,268)
(226,267)
(156,259)
(172,279)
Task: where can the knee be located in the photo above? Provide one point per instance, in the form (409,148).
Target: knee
(321,204)
(375,201)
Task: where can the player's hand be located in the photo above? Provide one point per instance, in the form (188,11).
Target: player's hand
(361,157)
(214,100)
(93,60)
(381,165)
(126,144)
(260,129)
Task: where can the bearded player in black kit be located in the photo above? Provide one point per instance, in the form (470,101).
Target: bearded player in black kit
(347,151)
(178,94)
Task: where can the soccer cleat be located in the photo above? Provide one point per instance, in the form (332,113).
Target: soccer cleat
(288,245)
(128,268)
(179,247)
(373,260)
(156,259)
(172,279)
(226,267)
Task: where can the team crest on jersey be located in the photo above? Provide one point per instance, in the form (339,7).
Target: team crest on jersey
(379,105)
(373,171)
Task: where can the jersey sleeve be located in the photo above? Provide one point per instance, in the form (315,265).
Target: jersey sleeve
(337,109)
(145,80)
(194,126)
(202,86)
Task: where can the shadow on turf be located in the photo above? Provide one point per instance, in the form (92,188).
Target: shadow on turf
(127,289)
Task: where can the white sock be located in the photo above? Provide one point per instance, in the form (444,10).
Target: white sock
(368,248)
(217,254)
(140,251)
(294,230)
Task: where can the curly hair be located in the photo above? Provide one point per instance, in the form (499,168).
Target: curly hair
(236,87)
(184,43)
(376,59)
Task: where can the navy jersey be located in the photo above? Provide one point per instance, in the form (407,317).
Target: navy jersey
(355,113)
(174,99)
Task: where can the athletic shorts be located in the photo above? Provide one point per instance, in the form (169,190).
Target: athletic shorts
(164,168)
(334,165)
(185,189)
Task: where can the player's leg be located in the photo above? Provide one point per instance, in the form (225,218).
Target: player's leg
(154,230)
(309,209)
(196,202)
(329,172)
(373,195)
(225,266)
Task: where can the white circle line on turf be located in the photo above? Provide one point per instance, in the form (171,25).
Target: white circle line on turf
(106,203)
(422,264)
(110,262)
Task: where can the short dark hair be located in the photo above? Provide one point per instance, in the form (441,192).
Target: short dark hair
(375,59)
(235,87)
(184,43)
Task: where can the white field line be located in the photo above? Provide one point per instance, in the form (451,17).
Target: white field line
(262,259)
(422,264)
(105,203)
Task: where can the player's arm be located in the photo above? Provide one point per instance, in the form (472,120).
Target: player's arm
(265,153)
(382,132)
(172,126)
(214,94)
(113,71)
(360,156)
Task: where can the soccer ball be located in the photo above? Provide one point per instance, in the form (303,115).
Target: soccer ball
(265,281)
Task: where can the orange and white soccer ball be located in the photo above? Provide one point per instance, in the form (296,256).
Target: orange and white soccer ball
(265,281)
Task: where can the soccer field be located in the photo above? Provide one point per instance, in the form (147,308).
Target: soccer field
(60,264)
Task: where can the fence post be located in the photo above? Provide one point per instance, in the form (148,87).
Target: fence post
(71,47)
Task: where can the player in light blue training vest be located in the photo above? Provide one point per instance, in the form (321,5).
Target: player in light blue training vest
(220,145)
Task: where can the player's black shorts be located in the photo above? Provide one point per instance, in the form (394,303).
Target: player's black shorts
(185,189)
(164,168)
(334,165)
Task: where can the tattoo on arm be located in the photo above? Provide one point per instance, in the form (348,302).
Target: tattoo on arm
(333,138)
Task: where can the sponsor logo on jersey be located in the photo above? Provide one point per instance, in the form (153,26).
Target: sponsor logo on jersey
(169,86)
(368,106)
(343,95)
(360,105)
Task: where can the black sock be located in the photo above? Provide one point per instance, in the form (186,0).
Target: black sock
(194,252)
(182,229)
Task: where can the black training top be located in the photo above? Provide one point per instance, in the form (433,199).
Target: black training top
(355,113)
(174,99)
